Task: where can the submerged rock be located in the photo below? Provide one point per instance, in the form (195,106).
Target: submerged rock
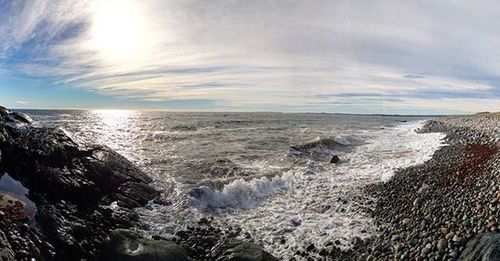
(335,159)
(128,245)
(236,250)
(484,247)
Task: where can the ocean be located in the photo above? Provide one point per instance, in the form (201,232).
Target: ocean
(267,173)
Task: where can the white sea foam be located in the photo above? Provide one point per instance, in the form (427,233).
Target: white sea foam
(326,201)
(240,193)
(309,201)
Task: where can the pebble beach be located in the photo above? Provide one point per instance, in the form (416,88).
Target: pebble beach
(443,208)
(447,208)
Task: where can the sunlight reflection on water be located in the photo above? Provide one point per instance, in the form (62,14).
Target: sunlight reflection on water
(114,127)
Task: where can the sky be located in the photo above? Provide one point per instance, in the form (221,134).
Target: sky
(353,56)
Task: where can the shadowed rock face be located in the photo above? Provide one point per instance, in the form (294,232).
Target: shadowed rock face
(127,245)
(85,197)
(73,185)
(484,247)
(47,161)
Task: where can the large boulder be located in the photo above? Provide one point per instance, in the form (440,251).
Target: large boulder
(483,247)
(48,161)
(236,250)
(127,245)
(81,191)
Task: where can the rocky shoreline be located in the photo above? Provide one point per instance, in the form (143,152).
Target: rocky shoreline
(445,209)
(437,210)
(85,196)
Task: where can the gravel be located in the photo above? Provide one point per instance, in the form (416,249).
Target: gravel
(430,211)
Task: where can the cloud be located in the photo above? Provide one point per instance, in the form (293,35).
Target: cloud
(272,54)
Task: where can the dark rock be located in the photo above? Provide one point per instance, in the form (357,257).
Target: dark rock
(442,245)
(295,222)
(417,202)
(19,116)
(335,159)
(128,245)
(235,250)
(203,221)
(6,252)
(484,247)
(310,248)
(4,111)
(47,161)
(81,191)
(21,254)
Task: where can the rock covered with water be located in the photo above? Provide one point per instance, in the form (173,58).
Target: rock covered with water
(127,245)
(81,191)
(236,250)
(335,159)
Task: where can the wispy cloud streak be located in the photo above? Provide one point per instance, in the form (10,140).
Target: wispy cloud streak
(314,55)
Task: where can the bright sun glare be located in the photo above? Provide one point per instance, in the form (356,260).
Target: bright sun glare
(110,113)
(118,29)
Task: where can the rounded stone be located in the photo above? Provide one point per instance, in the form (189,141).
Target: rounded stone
(442,244)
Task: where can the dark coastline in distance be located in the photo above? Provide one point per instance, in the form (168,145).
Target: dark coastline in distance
(256,112)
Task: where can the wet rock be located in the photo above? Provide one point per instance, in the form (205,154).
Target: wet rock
(235,250)
(417,202)
(4,111)
(81,191)
(6,252)
(310,248)
(203,221)
(56,166)
(485,247)
(295,222)
(128,245)
(335,159)
(19,116)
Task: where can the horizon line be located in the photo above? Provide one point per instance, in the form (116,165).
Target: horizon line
(256,111)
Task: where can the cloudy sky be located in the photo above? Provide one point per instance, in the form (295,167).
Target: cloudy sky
(416,57)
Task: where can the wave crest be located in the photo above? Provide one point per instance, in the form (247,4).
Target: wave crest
(321,146)
(240,193)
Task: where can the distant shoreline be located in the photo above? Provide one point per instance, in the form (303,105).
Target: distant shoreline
(257,112)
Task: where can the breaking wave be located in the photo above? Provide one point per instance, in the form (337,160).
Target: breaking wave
(240,193)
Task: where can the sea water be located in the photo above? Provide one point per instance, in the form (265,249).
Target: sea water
(268,173)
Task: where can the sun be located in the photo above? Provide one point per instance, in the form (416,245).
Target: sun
(119,29)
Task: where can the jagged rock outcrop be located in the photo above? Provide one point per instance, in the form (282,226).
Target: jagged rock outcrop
(82,191)
(127,245)
(484,247)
